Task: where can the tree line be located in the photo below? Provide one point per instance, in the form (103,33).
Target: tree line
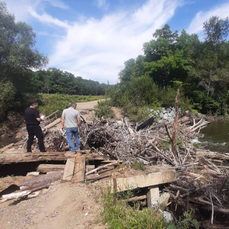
(200,69)
(18,55)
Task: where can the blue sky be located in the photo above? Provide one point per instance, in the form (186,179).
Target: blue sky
(93,38)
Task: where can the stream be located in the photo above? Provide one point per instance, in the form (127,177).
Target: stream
(216,137)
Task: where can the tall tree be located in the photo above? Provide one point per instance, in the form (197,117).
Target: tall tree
(216,30)
(17,55)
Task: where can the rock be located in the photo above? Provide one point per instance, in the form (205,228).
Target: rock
(18,135)
(167,216)
(164,199)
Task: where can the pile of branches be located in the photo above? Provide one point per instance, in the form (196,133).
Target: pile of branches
(199,178)
(152,145)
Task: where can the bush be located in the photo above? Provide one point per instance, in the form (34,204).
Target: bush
(103,109)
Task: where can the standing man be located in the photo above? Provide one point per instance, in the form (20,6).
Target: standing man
(32,119)
(71,121)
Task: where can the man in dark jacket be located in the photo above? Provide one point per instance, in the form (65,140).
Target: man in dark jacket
(32,119)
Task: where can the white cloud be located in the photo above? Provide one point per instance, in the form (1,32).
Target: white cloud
(58,4)
(22,8)
(47,19)
(102,4)
(97,49)
(196,25)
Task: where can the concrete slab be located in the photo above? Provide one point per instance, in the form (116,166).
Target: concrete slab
(156,175)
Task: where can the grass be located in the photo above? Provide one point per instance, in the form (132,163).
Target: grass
(121,216)
(138,165)
(49,103)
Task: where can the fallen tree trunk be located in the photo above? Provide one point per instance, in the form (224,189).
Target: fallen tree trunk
(30,157)
(40,180)
(44,168)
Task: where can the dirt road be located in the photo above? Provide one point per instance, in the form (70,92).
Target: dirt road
(62,206)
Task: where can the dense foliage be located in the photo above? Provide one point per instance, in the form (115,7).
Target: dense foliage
(170,61)
(19,85)
(54,80)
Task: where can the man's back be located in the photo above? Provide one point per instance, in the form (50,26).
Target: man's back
(71,116)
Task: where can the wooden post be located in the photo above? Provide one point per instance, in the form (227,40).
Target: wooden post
(79,170)
(174,149)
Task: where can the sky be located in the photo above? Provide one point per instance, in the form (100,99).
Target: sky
(93,38)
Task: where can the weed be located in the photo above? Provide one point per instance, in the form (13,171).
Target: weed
(138,166)
(121,216)
(185,222)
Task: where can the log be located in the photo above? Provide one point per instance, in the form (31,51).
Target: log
(44,168)
(40,180)
(79,170)
(18,157)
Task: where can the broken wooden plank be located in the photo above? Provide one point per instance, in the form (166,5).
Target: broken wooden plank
(146,123)
(102,167)
(89,168)
(44,168)
(97,177)
(136,198)
(69,169)
(54,123)
(79,170)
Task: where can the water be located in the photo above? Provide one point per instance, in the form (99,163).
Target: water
(216,137)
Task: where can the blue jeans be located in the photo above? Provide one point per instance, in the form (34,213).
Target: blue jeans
(73,131)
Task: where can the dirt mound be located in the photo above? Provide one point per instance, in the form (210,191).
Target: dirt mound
(63,205)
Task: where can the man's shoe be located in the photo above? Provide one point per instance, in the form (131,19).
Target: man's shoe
(43,151)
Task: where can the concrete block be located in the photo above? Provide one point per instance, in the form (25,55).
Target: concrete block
(153,197)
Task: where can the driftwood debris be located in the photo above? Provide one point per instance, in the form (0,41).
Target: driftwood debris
(29,188)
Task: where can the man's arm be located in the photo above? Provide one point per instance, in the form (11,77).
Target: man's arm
(62,121)
(78,121)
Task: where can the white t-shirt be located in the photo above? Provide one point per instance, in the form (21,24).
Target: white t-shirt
(70,117)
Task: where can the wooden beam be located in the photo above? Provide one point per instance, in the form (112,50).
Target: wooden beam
(69,169)
(79,170)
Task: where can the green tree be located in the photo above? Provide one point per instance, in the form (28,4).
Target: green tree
(17,57)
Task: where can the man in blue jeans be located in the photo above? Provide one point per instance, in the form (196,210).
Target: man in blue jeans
(70,120)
